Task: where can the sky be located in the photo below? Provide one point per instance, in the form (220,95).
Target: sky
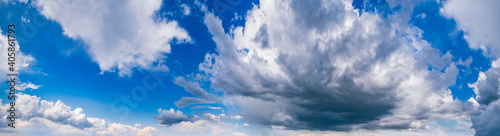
(253,68)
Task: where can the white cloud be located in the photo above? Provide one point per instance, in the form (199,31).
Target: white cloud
(465,63)
(236,117)
(120,129)
(192,124)
(185,9)
(211,117)
(321,66)
(29,85)
(487,106)
(25,19)
(239,134)
(137,125)
(40,117)
(421,15)
(185,101)
(485,123)
(442,127)
(479,21)
(443,131)
(120,35)
(214,108)
(194,88)
(203,106)
(13,1)
(204,126)
(170,117)
(22,61)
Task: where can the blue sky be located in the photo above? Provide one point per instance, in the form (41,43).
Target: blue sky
(256,67)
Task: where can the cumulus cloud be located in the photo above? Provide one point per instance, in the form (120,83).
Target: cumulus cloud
(239,134)
(40,117)
(194,88)
(185,9)
(120,35)
(465,63)
(320,65)
(487,93)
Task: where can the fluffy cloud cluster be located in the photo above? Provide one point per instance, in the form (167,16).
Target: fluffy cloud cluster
(120,35)
(320,65)
(479,20)
(35,116)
